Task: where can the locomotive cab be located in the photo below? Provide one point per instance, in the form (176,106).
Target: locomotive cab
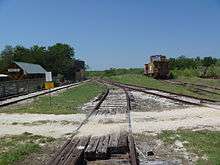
(158,67)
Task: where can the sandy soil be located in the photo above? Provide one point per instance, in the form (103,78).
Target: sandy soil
(188,118)
(40,124)
(154,122)
(104,124)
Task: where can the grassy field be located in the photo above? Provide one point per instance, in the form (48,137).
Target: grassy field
(201,81)
(16,147)
(66,102)
(153,83)
(202,143)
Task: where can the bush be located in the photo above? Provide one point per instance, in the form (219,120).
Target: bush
(185,73)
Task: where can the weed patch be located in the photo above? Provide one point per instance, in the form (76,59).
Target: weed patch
(203,143)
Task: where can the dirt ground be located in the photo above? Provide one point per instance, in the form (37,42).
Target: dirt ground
(47,125)
(44,155)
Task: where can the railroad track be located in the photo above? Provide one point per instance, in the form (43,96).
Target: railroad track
(196,87)
(169,95)
(110,148)
(17,98)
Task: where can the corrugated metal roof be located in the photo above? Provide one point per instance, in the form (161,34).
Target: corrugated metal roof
(29,68)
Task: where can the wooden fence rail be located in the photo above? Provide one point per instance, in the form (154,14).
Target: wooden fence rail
(19,87)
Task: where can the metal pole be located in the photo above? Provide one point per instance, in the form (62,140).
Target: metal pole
(50,97)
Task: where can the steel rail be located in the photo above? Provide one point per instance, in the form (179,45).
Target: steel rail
(132,148)
(195,86)
(199,85)
(160,90)
(152,93)
(94,109)
(38,94)
(103,97)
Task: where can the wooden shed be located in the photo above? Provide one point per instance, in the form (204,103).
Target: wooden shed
(79,70)
(23,70)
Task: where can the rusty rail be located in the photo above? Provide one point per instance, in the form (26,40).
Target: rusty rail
(107,149)
(95,108)
(34,95)
(146,90)
(132,148)
(195,86)
(61,155)
(198,85)
(160,90)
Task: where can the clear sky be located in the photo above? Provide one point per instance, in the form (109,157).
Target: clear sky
(115,33)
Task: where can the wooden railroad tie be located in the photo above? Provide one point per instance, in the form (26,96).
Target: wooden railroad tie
(114,149)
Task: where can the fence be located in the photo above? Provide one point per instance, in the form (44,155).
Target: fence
(19,87)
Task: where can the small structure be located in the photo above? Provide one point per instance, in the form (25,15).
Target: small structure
(158,67)
(23,70)
(3,77)
(79,70)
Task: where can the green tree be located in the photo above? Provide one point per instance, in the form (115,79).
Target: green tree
(23,54)
(60,59)
(206,63)
(38,54)
(7,56)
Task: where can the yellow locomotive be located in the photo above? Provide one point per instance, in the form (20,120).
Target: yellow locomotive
(158,67)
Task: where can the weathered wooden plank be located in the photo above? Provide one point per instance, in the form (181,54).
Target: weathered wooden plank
(76,154)
(120,156)
(133,153)
(123,143)
(62,156)
(109,162)
(101,151)
(90,152)
(113,144)
(54,159)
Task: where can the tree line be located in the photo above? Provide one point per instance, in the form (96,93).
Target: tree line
(205,64)
(58,58)
(179,66)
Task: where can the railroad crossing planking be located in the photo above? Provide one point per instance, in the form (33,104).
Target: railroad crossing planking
(111,149)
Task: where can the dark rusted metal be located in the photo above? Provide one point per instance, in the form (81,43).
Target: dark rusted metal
(149,88)
(195,86)
(143,89)
(132,148)
(110,149)
(94,110)
(37,95)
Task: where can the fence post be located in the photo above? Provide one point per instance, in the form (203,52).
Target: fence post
(27,85)
(17,87)
(3,90)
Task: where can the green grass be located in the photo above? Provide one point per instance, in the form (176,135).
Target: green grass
(135,79)
(16,147)
(66,102)
(202,143)
(201,81)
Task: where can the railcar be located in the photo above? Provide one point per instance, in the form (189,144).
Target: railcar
(158,67)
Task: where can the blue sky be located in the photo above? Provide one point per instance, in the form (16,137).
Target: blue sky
(115,33)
